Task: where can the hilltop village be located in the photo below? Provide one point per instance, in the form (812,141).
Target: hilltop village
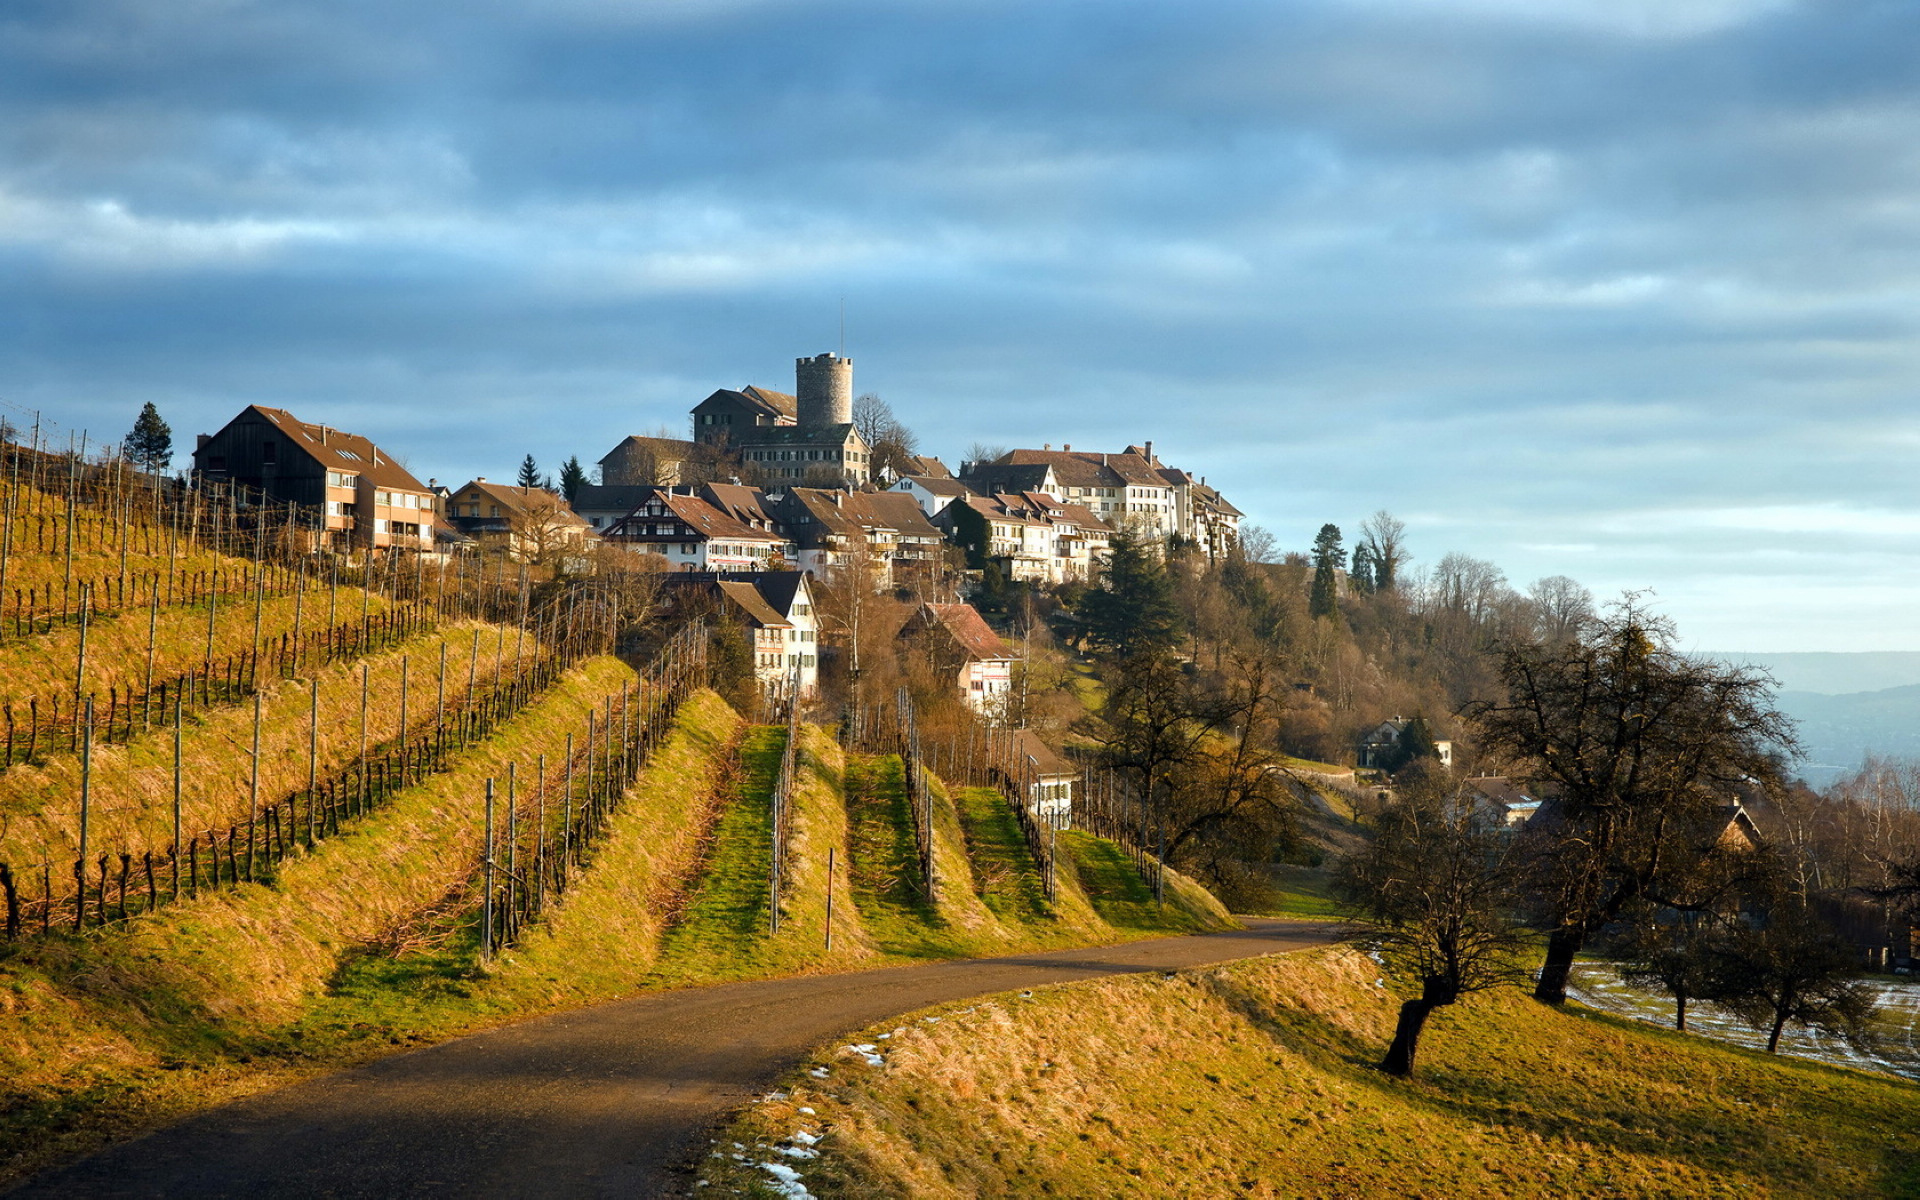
(773,493)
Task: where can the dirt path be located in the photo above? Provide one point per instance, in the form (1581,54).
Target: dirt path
(604,1101)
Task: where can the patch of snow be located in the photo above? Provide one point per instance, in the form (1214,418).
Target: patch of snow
(799,1152)
(786,1181)
(818,1072)
(808,1111)
(802,1136)
(866,1050)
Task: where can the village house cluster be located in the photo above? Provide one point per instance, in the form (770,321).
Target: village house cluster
(771,491)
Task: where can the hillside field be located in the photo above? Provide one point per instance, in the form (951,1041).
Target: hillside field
(1255,1079)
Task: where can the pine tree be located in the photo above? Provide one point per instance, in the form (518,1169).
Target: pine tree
(1327,557)
(150,445)
(573,477)
(1132,612)
(529,472)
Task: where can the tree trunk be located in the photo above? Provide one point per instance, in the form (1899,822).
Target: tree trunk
(1562,945)
(1406,1038)
(1413,1018)
(1680,1011)
(1773,1037)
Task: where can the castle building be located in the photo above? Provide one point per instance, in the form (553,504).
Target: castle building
(819,448)
(728,417)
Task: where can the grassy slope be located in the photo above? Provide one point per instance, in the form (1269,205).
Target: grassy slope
(43,666)
(133,784)
(208,999)
(1252,1079)
(604,937)
(723,932)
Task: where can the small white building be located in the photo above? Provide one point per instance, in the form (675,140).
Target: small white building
(777,608)
(962,646)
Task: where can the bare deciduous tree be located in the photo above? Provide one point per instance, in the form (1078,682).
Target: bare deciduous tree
(891,442)
(1434,892)
(1643,745)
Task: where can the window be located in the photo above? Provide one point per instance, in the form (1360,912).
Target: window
(270,452)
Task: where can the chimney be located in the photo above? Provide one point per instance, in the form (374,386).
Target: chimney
(480,479)
(323,435)
(1046,445)
(1066,447)
(1149,455)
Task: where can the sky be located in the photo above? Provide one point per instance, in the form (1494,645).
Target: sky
(1617,289)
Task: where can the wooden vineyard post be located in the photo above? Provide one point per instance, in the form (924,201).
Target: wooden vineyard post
(73,480)
(213,605)
(473,669)
(513,849)
(363,737)
(146,700)
(405,661)
(566,819)
(86,816)
(80,660)
(538,897)
(440,705)
(253,787)
(829,899)
(313,752)
(486,886)
(176,795)
(299,608)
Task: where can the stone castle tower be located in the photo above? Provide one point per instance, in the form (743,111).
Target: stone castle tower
(823,391)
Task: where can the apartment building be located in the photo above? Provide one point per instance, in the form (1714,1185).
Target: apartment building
(364,498)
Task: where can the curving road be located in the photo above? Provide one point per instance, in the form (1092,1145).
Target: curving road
(605,1101)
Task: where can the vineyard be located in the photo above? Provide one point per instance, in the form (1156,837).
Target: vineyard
(194,686)
(265,800)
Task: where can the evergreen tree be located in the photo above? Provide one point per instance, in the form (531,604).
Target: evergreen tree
(1132,613)
(573,477)
(529,472)
(1361,575)
(1327,557)
(150,445)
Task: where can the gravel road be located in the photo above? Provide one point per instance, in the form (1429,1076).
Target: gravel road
(612,1100)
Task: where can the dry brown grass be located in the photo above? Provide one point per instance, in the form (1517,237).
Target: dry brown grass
(44,666)
(1255,1079)
(604,935)
(132,804)
(253,954)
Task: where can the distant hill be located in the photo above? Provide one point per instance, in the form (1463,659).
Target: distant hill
(1834,674)
(1839,731)
(1847,705)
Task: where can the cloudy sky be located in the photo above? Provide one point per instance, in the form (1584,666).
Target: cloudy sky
(1619,289)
